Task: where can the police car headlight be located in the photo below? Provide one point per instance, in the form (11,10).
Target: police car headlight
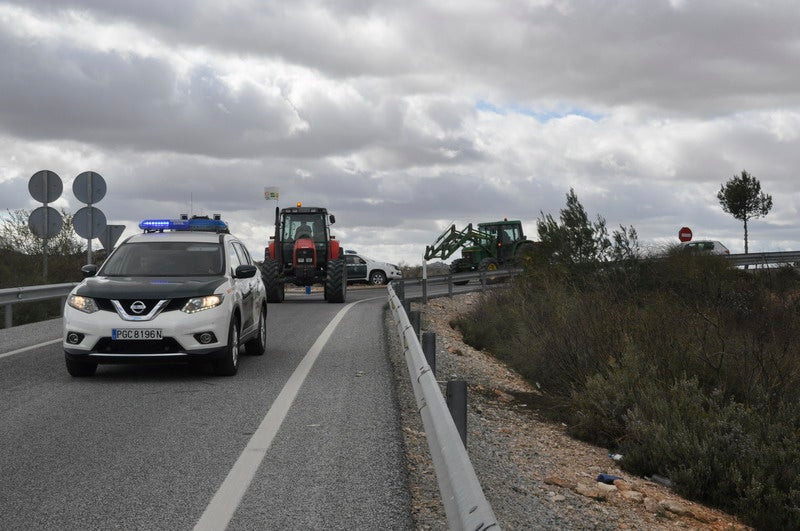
(84,304)
(198,304)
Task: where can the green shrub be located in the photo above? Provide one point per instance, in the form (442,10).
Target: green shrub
(689,367)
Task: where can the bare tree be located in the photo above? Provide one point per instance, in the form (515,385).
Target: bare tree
(742,198)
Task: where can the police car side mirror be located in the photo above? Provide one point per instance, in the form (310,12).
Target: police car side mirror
(89,270)
(245,271)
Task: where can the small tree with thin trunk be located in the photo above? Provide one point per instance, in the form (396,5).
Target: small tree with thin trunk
(742,198)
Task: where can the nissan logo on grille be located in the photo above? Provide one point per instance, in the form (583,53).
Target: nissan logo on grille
(138,307)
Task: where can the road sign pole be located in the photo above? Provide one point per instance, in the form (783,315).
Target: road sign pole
(89,194)
(46,224)
(45,186)
(89,187)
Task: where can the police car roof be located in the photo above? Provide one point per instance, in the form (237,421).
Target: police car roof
(177,236)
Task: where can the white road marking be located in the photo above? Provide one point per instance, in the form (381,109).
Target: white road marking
(227,498)
(32,347)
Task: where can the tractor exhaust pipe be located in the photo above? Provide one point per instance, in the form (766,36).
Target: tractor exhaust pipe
(278,242)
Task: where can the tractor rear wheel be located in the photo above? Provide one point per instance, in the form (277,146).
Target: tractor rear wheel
(336,281)
(273,284)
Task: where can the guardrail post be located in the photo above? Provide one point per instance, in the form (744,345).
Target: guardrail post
(429,349)
(483,280)
(457,404)
(407,307)
(9,316)
(416,320)
(450,285)
(401,290)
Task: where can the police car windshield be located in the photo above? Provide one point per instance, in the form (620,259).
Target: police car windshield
(165,259)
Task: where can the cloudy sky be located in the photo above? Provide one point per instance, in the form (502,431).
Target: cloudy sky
(403,117)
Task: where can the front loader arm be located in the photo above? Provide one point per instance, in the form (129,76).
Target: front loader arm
(451,240)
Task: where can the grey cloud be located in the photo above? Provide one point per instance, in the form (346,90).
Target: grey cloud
(699,58)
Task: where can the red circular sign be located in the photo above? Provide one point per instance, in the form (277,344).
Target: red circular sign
(685,234)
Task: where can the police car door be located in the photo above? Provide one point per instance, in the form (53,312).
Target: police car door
(252,302)
(356,267)
(241,286)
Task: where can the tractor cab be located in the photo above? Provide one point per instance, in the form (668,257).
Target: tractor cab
(504,234)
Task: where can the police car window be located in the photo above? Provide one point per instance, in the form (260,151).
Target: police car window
(233,258)
(248,258)
(159,259)
(241,253)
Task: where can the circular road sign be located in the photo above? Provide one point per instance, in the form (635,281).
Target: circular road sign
(685,234)
(89,187)
(45,222)
(45,186)
(86,228)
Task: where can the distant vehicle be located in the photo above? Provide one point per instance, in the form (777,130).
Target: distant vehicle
(183,290)
(361,268)
(705,246)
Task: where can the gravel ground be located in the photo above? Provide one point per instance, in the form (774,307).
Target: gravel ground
(533,474)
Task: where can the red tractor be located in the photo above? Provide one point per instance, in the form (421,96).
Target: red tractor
(302,252)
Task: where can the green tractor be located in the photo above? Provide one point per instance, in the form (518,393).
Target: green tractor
(492,245)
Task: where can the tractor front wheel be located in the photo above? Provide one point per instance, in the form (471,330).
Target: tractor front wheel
(336,281)
(272,284)
(459,265)
(489,266)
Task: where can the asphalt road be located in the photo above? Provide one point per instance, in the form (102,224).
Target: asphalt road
(285,443)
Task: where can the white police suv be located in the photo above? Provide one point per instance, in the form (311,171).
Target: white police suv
(183,290)
(362,268)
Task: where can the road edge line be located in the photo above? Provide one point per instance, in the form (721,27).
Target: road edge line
(32,347)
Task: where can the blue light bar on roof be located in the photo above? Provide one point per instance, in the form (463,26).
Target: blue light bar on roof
(207,224)
(164,224)
(211,225)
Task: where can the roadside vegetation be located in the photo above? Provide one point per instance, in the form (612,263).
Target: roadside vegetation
(23,265)
(687,367)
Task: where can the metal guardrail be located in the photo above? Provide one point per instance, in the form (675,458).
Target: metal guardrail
(485,278)
(462,495)
(11,296)
(765,259)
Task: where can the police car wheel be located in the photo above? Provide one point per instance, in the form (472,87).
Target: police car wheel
(257,345)
(377,278)
(228,364)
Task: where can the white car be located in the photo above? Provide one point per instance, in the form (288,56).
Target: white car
(361,268)
(183,290)
(705,246)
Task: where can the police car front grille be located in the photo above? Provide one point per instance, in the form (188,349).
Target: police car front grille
(167,345)
(174,304)
(148,305)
